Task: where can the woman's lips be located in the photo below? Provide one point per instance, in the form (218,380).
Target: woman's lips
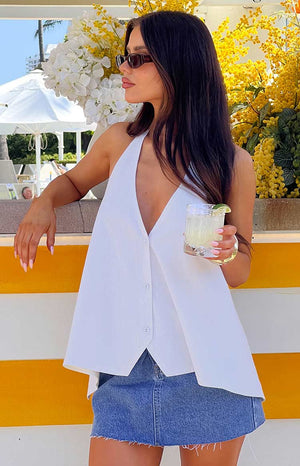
(126,83)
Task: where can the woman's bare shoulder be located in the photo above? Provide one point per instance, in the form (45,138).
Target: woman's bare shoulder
(242,157)
(118,128)
(243,165)
(116,141)
(117,135)
(243,171)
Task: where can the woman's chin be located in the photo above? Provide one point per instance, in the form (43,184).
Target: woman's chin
(132,100)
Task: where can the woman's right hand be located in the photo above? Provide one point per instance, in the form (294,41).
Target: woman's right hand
(39,219)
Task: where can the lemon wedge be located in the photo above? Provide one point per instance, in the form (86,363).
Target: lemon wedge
(224,207)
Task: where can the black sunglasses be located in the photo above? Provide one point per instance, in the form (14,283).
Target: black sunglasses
(134,60)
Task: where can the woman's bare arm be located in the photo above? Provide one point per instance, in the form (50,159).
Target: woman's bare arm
(241,201)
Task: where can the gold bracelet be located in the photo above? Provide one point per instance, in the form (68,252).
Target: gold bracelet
(230,258)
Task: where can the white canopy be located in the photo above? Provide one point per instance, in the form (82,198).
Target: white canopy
(34,109)
(28,107)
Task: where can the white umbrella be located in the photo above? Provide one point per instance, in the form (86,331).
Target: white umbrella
(34,109)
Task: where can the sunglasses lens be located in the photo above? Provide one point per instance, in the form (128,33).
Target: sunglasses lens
(134,61)
(120,60)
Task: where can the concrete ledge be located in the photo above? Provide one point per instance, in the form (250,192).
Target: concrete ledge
(276,214)
(69,219)
(79,217)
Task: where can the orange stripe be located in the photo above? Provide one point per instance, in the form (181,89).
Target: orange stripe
(274,265)
(51,274)
(279,374)
(42,392)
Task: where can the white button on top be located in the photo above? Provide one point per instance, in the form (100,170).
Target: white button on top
(147,286)
(147,329)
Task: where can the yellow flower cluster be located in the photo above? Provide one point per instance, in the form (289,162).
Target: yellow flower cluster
(141,7)
(231,44)
(107,36)
(282,52)
(259,90)
(269,179)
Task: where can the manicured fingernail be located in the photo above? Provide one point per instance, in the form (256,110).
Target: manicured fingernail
(215,243)
(215,252)
(15,253)
(25,267)
(220,230)
(21,262)
(52,250)
(31,263)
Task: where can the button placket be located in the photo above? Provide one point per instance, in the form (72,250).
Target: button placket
(147,327)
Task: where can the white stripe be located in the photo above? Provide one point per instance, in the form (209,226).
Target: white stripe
(37,325)
(45,445)
(60,240)
(276,236)
(73,239)
(270,317)
(275,443)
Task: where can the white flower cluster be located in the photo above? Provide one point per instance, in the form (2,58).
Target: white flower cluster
(107,102)
(73,72)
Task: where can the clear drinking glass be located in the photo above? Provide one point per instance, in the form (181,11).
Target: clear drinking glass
(202,221)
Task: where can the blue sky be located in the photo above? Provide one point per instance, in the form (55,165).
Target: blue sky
(17,42)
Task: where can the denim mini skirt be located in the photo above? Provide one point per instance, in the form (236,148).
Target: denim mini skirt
(147,407)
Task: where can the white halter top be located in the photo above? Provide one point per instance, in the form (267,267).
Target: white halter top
(142,291)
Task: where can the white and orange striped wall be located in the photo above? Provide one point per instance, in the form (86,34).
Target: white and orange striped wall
(45,417)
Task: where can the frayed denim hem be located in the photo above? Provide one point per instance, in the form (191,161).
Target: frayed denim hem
(128,441)
(202,446)
(188,447)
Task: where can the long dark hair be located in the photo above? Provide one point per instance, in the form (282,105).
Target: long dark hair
(194,113)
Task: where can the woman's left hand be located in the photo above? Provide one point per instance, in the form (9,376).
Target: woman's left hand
(224,248)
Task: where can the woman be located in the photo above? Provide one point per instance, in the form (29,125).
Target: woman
(157,324)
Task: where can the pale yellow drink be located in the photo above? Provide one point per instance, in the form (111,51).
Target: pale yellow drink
(202,221)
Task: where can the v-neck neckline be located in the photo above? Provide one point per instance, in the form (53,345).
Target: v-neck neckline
(158,220)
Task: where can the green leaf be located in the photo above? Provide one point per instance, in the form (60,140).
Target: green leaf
(249,131)
(285,116)
(257,91)
(288,176)
(252,143)
(237,107)
(283,158)
(264,111)
(250,88)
